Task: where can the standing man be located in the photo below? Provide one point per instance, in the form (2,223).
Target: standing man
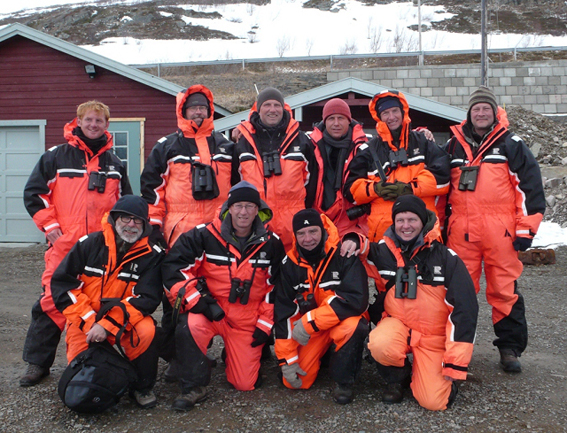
(335,139)
(497,203)
(188,173)
(117,266)
(430,309)
(321,299)
(70,189)
(276,157)
(219,277)
(412,164)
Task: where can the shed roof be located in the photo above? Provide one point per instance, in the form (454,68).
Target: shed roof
(165,86)
(356,85)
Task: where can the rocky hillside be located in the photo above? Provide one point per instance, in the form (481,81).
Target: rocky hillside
(163,19)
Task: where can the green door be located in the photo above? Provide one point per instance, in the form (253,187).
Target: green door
(127,135)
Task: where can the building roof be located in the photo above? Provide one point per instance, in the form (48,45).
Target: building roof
(165,86)
(356,85)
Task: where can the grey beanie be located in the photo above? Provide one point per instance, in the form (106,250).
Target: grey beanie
(269,94)
(483,94)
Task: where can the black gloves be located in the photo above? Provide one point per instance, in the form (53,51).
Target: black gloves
(208,307)
(157,238)
(259,337)
(522,244)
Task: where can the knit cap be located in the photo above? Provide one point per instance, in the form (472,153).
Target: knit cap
(306,218)
(269,94)
(483,94)
(410,203)
(243,191)
(336,106)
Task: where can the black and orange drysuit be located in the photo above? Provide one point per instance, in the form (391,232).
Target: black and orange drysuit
(437,327)
(426,168)
(340,288)
(93,273)
(507,202)
(285,193)
(330,177)
(166,182)
(57,195)
(212,252)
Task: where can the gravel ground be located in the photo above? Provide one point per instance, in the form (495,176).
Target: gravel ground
(489,401)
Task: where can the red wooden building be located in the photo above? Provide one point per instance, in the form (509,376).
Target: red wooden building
(42,81)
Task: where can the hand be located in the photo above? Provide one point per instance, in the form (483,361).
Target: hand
(299,333)
(208,307)
(522,244)
(53,235)
(349,248)
(236,134)
(259,337)
(395,190)
(428,134)
(381,187)
(96,334)
(291,373)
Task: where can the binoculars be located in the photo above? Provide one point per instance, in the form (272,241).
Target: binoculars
(239,290)
(203,179)
(406,282)
(97,181)
(307,304)
(358,211)
(398,157)
(272,164)
(467,180)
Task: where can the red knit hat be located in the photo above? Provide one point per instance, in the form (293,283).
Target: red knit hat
(336,106)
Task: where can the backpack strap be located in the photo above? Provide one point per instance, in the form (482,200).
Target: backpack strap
(109,304)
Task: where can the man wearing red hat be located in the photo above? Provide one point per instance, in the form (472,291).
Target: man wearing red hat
(335,139)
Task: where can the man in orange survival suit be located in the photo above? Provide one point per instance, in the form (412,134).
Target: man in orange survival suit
(412,164)
(321,297)
(238,258)
(335,139)
(185,180)
(430,309)
(497,203)
(117,264)
(67,193)
(276,157)
(188,173)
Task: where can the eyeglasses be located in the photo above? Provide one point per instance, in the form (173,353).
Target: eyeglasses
(249,207)
(127,218)
(196,108)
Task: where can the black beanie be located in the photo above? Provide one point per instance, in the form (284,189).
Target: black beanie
(306,218)
(243,191)
(388,102)
(410,203)
(483,94)
(132,205)
(269,94)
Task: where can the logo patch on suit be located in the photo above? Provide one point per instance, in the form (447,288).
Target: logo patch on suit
(335,275)
(134,267)
(296,148)
(437,270)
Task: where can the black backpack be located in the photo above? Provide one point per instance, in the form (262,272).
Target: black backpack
(98,377)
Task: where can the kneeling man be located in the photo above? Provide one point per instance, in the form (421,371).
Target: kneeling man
(321,300)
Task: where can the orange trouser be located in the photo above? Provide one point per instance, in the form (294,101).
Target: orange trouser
(242,360)
(134,341)
(388,344)
(310,355)
(501,267)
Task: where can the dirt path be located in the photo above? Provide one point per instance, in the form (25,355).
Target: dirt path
(489,401)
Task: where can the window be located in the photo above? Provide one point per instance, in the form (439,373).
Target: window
(121,146)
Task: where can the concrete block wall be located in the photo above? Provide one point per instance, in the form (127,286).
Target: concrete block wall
(537,86)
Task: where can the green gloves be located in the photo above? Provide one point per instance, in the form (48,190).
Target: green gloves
(391,191)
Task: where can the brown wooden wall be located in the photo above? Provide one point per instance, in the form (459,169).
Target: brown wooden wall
(39,82)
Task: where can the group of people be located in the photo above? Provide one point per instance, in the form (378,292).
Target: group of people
(271,238)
